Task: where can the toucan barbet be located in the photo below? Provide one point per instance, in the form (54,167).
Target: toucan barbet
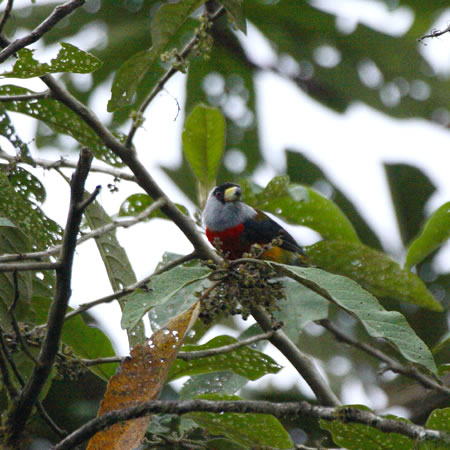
(239,226)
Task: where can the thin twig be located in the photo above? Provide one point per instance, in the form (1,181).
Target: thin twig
(25,97)
(4,358)
(93,234)
(20,411)
(63,162)
(293,410)
(33,266)
(392,364)
(6,14)
(434,34)
(58,14)
(190,356)
(163,80)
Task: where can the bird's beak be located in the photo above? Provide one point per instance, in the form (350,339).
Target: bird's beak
(232,194)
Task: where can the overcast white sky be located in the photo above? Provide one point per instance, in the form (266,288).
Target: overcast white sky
(351,152)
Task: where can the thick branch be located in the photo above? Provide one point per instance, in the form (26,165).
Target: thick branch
(282,410)
(302,362)
(21,410)
(392,364)
(58,14)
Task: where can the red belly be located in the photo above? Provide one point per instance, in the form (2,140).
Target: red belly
(232,245)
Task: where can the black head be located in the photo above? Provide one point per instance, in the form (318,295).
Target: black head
(227,192)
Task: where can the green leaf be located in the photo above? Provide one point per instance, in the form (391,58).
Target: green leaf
(243,361)
(135,204)
(439,419)
(203,143)
(16,206)
(117,264)
(225,382)
(163,287)
(379,323)
(8,131)
(61,120)
(356,436)
(87,342)
(167,21)
(235,14)
(374,270)
(435,232)
(69,59)
(301,307)
(410,190)
(251,430)
(303,206)
(13,240)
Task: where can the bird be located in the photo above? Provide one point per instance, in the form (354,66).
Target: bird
(238,226)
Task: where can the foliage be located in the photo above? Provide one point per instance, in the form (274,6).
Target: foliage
(356,283)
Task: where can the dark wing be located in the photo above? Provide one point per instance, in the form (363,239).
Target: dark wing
(261,229)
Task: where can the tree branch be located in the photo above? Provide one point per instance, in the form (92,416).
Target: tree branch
(63,162)
(58,13)
(294,410)
(25,97)
(46,265)
(302,362)
(434,34)
(163,80)
(6,14)
(21,409)
(392,364)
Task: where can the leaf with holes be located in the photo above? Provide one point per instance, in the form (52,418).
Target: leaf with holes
(243,361)
(8,131)
(165,25)
(69,59)
(250,430)
(435,232)
(373,270)
(117,264)
(301,205)
(379,323)
(135,204)
(61,120)
(356,436)
(162,288)
(141,378)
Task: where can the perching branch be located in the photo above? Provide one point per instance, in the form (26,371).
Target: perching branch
(293,410)
(22,408)
(391,364)
(57,15)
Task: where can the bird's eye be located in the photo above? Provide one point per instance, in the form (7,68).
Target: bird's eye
(218,195)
